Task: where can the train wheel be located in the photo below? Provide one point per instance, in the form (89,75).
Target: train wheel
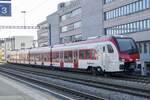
(94,71)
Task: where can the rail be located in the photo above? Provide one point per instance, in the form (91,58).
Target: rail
(46,83)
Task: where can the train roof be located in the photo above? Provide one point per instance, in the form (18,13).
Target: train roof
(40,49)
(58,47)
(92,40)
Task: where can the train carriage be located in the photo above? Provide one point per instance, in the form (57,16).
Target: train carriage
(109,54)
(26,56)
(45,56)
(20,54)
(11,57)
(104,54)
(40,56)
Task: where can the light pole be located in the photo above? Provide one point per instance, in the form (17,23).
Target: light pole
(24,14)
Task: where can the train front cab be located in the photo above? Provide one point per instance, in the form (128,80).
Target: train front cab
(128,54)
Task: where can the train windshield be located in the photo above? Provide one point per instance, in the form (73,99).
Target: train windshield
(127,45)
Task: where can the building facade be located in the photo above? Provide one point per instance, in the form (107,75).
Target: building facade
(130,18)
(43,34)
(15,43)
(19,42)
(76,21)
(80,19)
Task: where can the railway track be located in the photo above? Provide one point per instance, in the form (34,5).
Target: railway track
(137,78)
(25,76)
(98,82)
(132,78)
(125,77)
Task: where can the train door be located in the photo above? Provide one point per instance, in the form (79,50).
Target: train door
(104,57)
(61,59)
(75,59)
(111,57)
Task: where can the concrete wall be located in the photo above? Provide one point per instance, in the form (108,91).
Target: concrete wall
(42,34)
(53,21)
(92,18)
(27,40)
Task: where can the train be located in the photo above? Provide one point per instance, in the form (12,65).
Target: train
(106,54)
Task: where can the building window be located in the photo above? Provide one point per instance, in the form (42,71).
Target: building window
(149,47)
(70,14)
(145,24)
(144,4)
(64,17)
(147,3)
(145,48)
(129,27)
(71,26)
(73,38)
(77,38)
(77,25)
(76,12)
(141,25)
(64,29)
(148,24)
(22,45)
(127,9)
(107,1)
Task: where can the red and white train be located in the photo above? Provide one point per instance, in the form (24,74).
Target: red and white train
(104,54)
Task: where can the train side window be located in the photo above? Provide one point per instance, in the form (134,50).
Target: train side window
(93,54)
(110,49)
(87,54)
(68,56)
(103,48)
(45,59)
(82,54)
(55,56)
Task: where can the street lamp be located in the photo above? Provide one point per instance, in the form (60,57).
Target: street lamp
(24,14)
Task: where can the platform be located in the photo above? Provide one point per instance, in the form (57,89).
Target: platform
(14,90)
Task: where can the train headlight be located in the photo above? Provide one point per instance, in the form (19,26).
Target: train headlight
(123,60)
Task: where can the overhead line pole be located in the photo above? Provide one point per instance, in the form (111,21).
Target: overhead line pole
(24,14)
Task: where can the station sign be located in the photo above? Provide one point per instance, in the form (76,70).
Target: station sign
(5,9)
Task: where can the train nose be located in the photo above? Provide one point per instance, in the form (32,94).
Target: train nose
(131,59)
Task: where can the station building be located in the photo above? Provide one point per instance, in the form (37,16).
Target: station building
(78,20)
(16,43)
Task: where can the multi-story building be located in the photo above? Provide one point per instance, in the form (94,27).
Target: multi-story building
(131,18)
(76,20)
(79,19)
(43,34)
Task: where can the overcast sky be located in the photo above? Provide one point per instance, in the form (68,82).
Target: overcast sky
(36,12)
